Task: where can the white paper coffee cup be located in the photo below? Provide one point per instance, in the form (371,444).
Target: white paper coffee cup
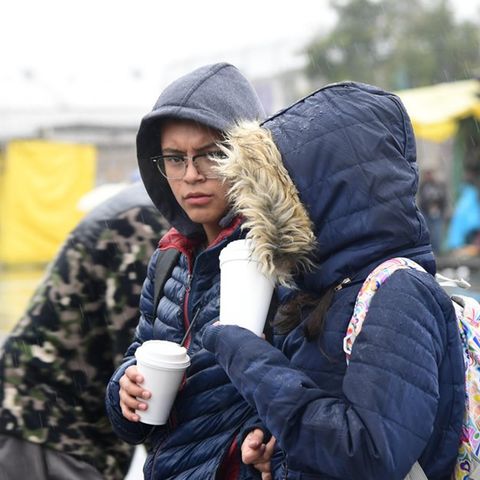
(162,365)
(245,292)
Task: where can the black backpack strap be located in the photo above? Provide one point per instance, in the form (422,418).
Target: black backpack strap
(166,260)
(272,310)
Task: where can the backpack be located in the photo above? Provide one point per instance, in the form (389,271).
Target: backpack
(467,311)
(167,259)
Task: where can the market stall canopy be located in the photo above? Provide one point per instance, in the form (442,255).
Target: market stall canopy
(41,183)
(436,110)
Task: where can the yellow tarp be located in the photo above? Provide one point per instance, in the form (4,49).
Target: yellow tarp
(40,186)
(436,110)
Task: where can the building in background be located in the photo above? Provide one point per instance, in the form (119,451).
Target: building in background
(105,112)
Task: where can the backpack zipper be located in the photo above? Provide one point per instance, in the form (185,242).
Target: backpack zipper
(344,282)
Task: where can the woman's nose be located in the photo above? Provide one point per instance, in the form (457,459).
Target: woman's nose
(191,172)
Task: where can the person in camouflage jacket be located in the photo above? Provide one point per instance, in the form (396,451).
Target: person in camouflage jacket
(55,364)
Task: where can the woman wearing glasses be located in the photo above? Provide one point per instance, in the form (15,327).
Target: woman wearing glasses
(177,148)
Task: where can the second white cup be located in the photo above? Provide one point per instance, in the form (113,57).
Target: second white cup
(245,292)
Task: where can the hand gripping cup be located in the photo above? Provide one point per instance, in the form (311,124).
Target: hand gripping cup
(162,365)
(245,292)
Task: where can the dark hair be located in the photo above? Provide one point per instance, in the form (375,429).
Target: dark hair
(291,315)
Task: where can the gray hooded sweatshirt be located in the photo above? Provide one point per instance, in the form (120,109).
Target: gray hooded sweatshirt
(217,96)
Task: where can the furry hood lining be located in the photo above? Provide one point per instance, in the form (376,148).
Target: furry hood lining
(265,195)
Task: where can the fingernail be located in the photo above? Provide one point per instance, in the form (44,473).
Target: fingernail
(146,395)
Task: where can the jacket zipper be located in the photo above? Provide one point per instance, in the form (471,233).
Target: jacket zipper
(186,321)
(186,343)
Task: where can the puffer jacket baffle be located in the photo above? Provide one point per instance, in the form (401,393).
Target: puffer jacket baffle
(209,414)
(349,149)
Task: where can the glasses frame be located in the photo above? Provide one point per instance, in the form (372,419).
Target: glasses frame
(160,164)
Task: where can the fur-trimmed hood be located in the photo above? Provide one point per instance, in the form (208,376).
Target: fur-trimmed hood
(217,96)
(330,180)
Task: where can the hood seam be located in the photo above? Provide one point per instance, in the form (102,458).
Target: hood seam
(195,87)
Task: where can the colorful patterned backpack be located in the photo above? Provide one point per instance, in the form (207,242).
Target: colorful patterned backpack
(467,310)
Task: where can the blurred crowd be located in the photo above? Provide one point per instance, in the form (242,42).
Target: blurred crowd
(454,225)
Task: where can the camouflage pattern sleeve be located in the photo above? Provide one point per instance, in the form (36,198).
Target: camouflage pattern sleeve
(57,361)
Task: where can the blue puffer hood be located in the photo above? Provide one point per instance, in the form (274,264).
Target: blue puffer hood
(347,153)
(217,96)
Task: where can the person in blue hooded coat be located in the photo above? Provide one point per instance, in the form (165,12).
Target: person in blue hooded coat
(176,149)
(332,180)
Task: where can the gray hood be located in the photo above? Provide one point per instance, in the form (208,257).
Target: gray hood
(217,96)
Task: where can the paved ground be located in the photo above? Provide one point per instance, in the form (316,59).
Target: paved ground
(16,287)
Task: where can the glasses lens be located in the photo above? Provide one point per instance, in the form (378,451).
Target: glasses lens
(171,166)
(207,162)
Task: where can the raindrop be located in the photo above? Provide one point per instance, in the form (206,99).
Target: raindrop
(463,272)
(28,73)
(136,73)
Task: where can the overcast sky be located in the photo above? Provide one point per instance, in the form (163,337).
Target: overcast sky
(61,35)
(69,35)
(91,45)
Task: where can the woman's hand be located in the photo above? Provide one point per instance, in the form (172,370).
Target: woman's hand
(129,391)
(257,453)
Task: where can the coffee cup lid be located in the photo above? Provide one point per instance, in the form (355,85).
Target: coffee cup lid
(163,353)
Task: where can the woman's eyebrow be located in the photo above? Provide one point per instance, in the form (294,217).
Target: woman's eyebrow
(209,145)
(174,151)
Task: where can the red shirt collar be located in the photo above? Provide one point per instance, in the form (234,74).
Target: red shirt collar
(174,239)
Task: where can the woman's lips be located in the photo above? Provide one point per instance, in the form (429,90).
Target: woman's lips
(197,199)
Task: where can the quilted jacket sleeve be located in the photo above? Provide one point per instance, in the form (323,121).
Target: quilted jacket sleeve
(133,432)
(380,423)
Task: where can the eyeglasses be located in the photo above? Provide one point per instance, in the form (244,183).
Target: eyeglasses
(174,167)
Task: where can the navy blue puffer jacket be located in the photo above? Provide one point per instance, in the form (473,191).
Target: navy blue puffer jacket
(350,151)
(209,413)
